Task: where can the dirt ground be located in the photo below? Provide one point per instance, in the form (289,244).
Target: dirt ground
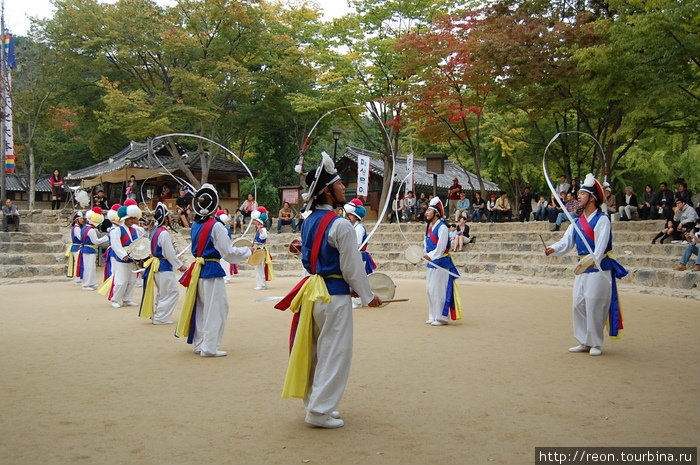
(83,383)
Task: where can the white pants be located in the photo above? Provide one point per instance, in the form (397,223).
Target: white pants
(226,266)
(76,279)
(89,270)
(124,281)
(436,288)
(166,296)
(260,275)
(627,211)
(331,354)
(591,303)
(212,311)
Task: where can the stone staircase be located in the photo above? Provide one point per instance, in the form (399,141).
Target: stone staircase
(507,252)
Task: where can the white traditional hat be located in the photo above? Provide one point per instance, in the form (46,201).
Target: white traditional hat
(323,176)
(161,212)
(436,204)
(205,200)
(592,186)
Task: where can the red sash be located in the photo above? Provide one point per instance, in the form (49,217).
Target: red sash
(435,239)
(154,241)
(586,227)
(79,266)
(201,243)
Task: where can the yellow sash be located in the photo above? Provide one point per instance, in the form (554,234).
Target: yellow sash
(268,264)
(297,379)
(103,289)
(146,310)
(184,323)
(71,264)
(458,301)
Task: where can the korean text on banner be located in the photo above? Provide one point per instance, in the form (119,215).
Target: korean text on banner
(409,168)
(362,175)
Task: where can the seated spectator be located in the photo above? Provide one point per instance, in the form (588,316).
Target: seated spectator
(693,248)
(541,211)
(684,220)
(609,207)
(491,209)
(237,222)
(453,235)
(183,207)
(463,205)
(462,236)
(563,186)
(165,193)
(248,205)
(572,207)
(683,193)
(100,200)
(649,207)
(503,209)
(286,217)
(409,207)
(573,188)
(10,215)
(553,209)
(397,205)
(665,201)
(478,206)
(525,205)
(629,204)
(422,207)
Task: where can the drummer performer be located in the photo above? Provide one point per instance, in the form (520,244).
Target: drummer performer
(321,335)
(159,277)
(205,309)
(444,301)
(88,248)
(74,247)
(355,212)
(595,292)
(264,271)
(124,280)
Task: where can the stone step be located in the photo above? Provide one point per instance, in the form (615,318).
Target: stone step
(31,247)
(29,237)
(33,259)
(25,271)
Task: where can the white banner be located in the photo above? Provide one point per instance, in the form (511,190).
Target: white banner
(409,168)
(362,175)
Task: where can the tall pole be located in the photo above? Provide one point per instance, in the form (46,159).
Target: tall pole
(3,79)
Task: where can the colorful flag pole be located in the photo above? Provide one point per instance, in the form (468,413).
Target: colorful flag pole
(9,63)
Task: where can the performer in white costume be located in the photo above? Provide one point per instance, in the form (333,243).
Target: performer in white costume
(161,264)
(595,292)
(76,242)
(355,211)
(119,240)
(322,323)
(229,268)
(264,271)
(444,302)
(88,250)
(205,309)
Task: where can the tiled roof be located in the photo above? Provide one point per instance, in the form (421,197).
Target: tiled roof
(420,176)
(19,183)
(135,155)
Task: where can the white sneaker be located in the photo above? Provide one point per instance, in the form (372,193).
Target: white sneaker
(595,351)
(429,322)
(438,323)
(227,280)
(219,353)
(335,414)
(259,288)
(169,322)
(130,304)
(89,288)
(115,305)
(323,420)
(579,348)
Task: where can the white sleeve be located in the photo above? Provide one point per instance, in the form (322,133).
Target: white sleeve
(263,233)
(360,233)
(222,243)
(566,243)
(602,234)
(168,250)
(443,238)
(76,233)
(341,235)
(92,235)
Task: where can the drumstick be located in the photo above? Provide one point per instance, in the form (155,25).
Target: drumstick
(543,244)
(394,300)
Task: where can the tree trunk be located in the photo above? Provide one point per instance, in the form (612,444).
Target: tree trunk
(181,164)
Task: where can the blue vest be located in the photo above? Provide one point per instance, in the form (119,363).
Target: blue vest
(328,257)
(606,262)
(210,269)
(164,265)
(258,240)
(87,245)
(444,262)
(129,237)
(75,240)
